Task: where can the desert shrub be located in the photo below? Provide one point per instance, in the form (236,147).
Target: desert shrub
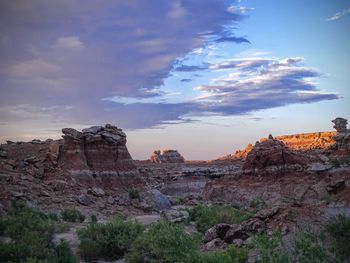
(308,248)
(208,216)
(72,215)
(270,249)
(162,242)
(339,229)
(64,254)
(109,241)
(93,219)
(53,216)
(31,233)
(134,193)
(258,204)
(230,255)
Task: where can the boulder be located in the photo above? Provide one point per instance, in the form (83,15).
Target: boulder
(84,199)
(156,199)
(336,186)
(176,216)
(98,192)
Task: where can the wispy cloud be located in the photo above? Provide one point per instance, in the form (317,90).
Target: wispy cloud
(71,42)
(338,15)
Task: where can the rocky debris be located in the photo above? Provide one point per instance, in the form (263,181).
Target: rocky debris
(222,235)
(156,199)
(167,156)
(176,216)
(342,138)
(336,186)
(236,234)
(216,243)
(99,192)
(267,213)
(84,199)
(319,167)
(209,172)
(3,153)
(97,149)
(272,152)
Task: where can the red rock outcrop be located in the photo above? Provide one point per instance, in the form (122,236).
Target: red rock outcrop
(342,138)
(167,156)
(272,152)
(298,142)
(98,149)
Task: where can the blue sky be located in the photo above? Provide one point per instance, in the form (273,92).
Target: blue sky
(204,77)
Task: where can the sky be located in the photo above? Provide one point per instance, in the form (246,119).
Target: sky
(203,77)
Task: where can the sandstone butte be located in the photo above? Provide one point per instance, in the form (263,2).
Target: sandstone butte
(166,156)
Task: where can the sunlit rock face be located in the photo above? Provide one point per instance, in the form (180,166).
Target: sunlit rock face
(342,138)
(167,156)
(97,149)
(298,142)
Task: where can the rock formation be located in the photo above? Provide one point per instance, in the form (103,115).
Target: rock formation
(97,149)
(272,152)
(342,138)
(166,156)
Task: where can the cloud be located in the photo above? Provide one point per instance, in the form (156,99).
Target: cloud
(71,42)
(127,50)
(261,83)
(237,40)
(239,9)
(338,15)
(33,68)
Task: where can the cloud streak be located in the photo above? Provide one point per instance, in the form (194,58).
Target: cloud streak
(339,15)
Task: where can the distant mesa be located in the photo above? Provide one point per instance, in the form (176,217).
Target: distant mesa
(167,156)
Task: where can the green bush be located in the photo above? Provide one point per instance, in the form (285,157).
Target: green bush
(230,255)
(134,193)
(339,230)
(108,241)
(271,249)
(258,204)
(31,233)
(208,216)
(72,215)
(93,218)
(64,254)
(166,242)
(308,248)
(162,242)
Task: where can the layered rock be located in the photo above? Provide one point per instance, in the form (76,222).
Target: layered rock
(167,156)
(272,152)
(97,149)
(342,138)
